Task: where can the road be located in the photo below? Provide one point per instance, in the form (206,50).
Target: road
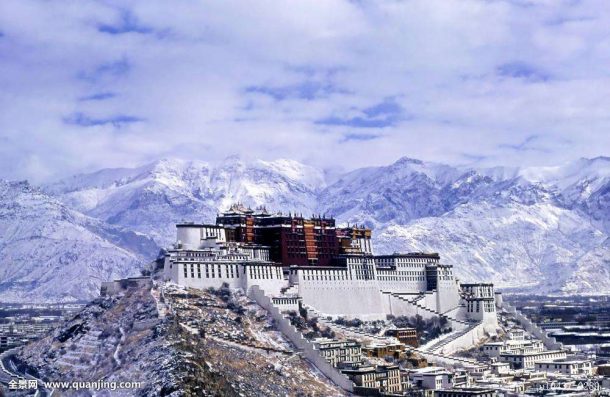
(8,371)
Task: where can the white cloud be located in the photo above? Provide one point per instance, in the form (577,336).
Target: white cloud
(85,85)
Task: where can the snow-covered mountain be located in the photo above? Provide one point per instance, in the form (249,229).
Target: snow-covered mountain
(539,227)
(153,198)
(544,227)
(49,252)
(583,185)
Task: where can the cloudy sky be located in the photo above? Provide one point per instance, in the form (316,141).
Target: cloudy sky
(91,84)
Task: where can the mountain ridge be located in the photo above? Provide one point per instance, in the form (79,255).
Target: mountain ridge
(51,252)
(484,221)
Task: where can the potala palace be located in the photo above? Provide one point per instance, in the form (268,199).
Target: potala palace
(300,262)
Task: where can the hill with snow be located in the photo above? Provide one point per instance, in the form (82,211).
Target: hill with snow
(543,228)
(153,198)
(49,252)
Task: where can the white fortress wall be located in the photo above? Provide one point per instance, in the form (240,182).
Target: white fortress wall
(237,275)
(429,301)
(481,305)
(194,236)
(448,295)
(189,236)
(206,275)
(285,304)
(349,292)
(399,307)
(458,313)
(401,274)
(401,281)
(466,341)
(527,324)
(268,277)
(307,348)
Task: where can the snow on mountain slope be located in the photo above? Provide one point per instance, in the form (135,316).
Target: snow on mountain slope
(543,227)
(408,189)
(517,245)
(411,189)
(51,253)
(153,198)
(583,184)
(516,226)
(571,175)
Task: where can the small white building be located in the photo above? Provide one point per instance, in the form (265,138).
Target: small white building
(336,352)
(500,368)
(494,349)
(528,360)
(566,366)
(516,334)
(431,378)
(478,371)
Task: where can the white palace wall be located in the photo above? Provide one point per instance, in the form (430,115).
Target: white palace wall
(358,289)
(236,275)
(349,292)
(403,274)
(361,289)
(396,305)
(447,295)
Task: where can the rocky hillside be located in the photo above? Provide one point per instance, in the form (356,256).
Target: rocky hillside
(176,342)
(49,252)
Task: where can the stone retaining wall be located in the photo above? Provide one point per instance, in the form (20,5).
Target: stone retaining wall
(306,347)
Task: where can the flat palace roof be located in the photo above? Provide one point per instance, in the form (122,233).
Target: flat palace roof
(430,255)
(193,224)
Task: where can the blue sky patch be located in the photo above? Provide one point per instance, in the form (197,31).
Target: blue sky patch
(127,23)
(117,121)
(522,70)
(110,69)
(100,96)
(359,137)
(384,114)
(308,90)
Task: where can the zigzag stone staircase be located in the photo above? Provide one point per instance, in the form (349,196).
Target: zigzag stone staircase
(416,304)
(429,351)
(460,360)
(450,338)
(290,291)
(356,332)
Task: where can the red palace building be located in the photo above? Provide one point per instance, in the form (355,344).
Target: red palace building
(293,239)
